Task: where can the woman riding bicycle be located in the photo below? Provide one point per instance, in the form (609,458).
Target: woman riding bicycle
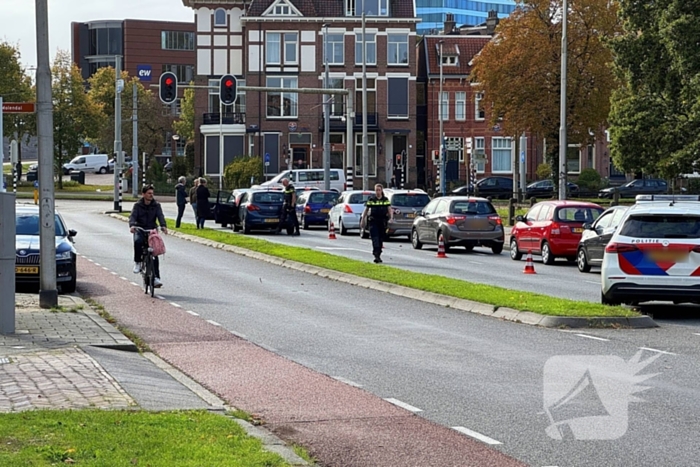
(144,215)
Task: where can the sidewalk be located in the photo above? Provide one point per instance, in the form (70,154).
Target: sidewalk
(71,358)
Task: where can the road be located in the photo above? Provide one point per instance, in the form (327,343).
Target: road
(459,369)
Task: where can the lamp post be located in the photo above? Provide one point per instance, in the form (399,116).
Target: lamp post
(365,143)
(326,117)
(443,184)
(562,108)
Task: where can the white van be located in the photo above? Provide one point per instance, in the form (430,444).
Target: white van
(98,163)
(302,178)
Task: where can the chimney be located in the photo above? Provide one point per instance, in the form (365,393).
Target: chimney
(449,23)
(491,22)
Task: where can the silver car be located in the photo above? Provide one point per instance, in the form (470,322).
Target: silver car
(347,211)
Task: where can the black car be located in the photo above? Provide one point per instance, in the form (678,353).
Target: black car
(596,236)
(648,186)
(260,210)
(27,245)
(495,187)
(226,207)
(545,189)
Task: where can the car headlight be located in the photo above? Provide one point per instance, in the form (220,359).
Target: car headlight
(64,255)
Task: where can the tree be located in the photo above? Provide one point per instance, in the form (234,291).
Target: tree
(75,117)
(16,86)
(519,71)
(185,125)
(655,116)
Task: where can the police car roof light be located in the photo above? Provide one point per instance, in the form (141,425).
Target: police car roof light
(672,198)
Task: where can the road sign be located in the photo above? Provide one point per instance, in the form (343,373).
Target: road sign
(18,107)
(267,158)
(120,85)
(522,157)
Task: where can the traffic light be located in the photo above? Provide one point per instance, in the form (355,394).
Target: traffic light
(227,89)
(168,87)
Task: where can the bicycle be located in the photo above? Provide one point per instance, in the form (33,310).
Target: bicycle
(148,271)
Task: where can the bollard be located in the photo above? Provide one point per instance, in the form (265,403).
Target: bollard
(511,211)
(533,201)
(616,198)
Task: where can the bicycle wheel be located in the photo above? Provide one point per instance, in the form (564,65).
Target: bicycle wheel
(144,275)
(151,275)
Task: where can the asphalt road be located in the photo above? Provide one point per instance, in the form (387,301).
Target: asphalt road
(459,369)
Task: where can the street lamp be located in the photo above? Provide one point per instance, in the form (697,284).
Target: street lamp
(327,117)
(443,184)
(562,108)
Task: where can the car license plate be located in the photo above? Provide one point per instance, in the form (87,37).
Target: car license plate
(668,256)
(325,210)
(271,220)
(577,230)
(26,270)
(410,215)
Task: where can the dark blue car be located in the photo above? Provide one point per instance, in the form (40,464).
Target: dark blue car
(313,207)
(259,210)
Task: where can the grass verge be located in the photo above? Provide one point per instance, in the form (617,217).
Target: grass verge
(138,342)
(492,295)
(189,438)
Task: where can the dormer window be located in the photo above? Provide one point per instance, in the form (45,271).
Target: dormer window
(220,18)
(449,60)
(369,7)
(281,8)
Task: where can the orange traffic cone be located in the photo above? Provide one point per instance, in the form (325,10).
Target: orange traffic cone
(529,265)
(331,232)
(441,247)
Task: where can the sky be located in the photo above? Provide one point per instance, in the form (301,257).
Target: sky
(18,25)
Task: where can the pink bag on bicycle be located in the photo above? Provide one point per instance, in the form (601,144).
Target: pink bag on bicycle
(156,243)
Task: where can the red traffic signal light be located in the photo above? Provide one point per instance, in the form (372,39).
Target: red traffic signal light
(227,89)
(167,90)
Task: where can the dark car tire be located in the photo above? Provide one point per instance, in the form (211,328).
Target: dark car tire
(69,287)
(236,228)
(497,248)
(415,243)
(103,170)
(304,223)
(608,301)
(582,261)
(341,227)
(246,227)
(546,253)
(469,247)
(515,254)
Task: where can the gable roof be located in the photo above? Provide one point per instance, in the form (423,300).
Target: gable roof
(329,8)
(269,10)
(466,47)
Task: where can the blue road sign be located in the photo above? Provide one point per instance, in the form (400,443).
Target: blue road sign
(267,157)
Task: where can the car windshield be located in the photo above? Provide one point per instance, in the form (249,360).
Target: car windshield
(323,197)
(268,197)
(578,214)
(662,226)
(28,224)
(359,198)
(472,207)
(410,200)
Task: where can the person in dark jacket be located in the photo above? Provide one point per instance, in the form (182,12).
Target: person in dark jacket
(376,215)
(144,214)
(193,199)
(202,202)
(180,199)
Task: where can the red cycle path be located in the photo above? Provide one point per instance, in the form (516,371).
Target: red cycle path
(340,425)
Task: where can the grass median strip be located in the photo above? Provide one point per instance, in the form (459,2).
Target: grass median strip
(492,295)
(188,438)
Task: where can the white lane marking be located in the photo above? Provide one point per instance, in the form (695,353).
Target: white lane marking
(238,334)
(340,248)
(192,313)
(346,381)
(106,269)
(475,435)
(114,273)
(90,260)
(97,264)
(593,337)
(475,262)
(176,305)
(134,283)
(403,405)
(697,333)
(123,278)
(213,322)
(659,351)
(159,297)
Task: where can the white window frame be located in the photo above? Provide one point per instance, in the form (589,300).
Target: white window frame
(219,24)
(283,39)
(331,46)
(445,106)
(394,43)
(371,46)
(449,60)
(455,144)
(290,82)
(460,106)
(337,100)
(282,10)
(371,149)
(479,113)
(480,148)
(498,144)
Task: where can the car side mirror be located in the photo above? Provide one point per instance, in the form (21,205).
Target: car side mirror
(587,226)
(72,233)
(519,219)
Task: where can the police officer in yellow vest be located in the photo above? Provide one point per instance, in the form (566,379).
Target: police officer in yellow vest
(376,215)
(289,209)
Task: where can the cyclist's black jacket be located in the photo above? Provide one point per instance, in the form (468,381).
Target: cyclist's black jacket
(145,215)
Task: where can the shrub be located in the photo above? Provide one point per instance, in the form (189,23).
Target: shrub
(239,172)
(589,179)
(544,171)
(180,168)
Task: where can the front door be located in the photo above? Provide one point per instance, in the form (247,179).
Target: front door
(300,156)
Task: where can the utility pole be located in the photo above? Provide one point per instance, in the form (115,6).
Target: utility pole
(365,148)
(443,150)
(350,142)
(48,294)
(523,164)
(562,108)
(118,158)
(2,156)
(135,142)
(221,145)
(326,117)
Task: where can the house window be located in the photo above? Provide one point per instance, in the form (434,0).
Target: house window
(501,155)
(281,48)
(479,113)
(335,49)
(282,104)
(282,9)
(445,106)
(220,17)
(480,154)
(449,60)
(397,49)
(460,105)
(591,157)
(397,96)
(176,40)
(369,7)
(236,107)
(184,73)
(573,159)
(371,150)
(371,96)
(337,100)
(455,149)
(370,44)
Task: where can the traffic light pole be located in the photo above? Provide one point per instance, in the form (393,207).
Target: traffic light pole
(118,158)
(221,145)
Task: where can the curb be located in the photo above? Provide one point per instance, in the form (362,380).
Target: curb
(507,314)
(121,341)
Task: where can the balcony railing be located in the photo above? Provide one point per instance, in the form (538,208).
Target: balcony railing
(229,118)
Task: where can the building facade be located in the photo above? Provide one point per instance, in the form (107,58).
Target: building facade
(433,13)
(280,44)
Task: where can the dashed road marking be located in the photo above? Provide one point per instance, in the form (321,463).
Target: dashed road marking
(159,297)
(403,405)
(134,283)
(347,381)
(192,313)
(213,322)
(475,435)
(658,351)
(593,337)
(175,305)
(238,334)
(123,278)
(113,273)
(697,333)
(593,282)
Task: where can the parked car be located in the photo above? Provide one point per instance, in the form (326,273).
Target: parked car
(462,221)
(406,204)
(313,207)
(347,211)
(260,210)
(545,189)
(495,187)
(302,178)
(128,163)
(302,190)
(596,236)
(97,163)
(647,186)
(552,229)
(226,207)
(33,173)
(655,253)
(27,263)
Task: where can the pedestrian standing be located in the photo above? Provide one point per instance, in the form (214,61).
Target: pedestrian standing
(376,215)
(202,202)
(289,208)
(180,199)
(193,200)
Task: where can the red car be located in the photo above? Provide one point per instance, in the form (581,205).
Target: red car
(552,229)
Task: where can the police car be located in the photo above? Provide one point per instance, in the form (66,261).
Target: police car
(655,253)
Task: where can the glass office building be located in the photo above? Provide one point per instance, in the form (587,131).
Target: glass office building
(466,12)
